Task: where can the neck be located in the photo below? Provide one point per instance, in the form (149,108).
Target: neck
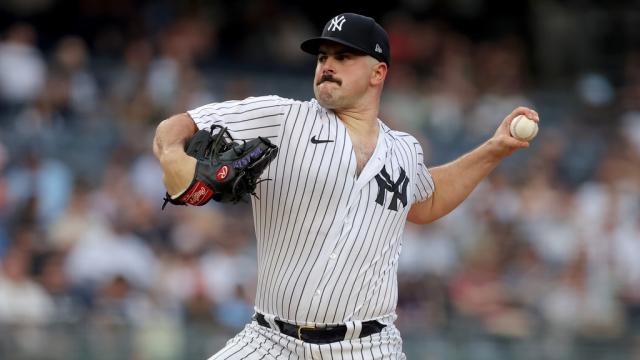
(358,121)
(363,118)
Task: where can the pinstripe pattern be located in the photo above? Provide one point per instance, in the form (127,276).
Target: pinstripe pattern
(328,240)
(259,343)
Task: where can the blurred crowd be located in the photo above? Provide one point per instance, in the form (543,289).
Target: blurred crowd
(546,248)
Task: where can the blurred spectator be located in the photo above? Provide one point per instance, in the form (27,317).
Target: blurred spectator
(179,280)
(500,77)
(5,208)
(46,120)
(76,220)
(630,101)
(574,304)
(292,29)
(109,250)
(146,177)
(67,304)
(42,180)
(71,62)
(116,302)
(428,251)
(22,300)
(199,308)
(22,68)
(130,75)
(479,294)
(229,274)
(183,43)
(26,310)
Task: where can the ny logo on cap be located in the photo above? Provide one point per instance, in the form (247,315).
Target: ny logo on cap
(336,23)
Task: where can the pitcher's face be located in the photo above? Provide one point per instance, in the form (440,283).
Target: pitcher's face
(342,76)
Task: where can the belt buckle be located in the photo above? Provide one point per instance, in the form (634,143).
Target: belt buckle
(303,327)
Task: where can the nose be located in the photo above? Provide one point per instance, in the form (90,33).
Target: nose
(328,67)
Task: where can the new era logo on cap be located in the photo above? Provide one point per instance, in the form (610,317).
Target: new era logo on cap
(358,32)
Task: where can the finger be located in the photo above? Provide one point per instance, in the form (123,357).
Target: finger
(515,143)
(523,110)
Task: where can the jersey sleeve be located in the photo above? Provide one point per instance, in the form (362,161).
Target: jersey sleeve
(424,185)
(245,119)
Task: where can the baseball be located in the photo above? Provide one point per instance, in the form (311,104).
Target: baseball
(523,128)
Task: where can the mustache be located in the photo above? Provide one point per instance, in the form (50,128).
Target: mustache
(328,77)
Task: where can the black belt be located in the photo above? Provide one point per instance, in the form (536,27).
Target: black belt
(324,335)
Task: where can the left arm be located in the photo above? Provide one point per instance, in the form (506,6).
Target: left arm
(454,181)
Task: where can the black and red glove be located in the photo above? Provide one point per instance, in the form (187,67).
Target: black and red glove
(226,171)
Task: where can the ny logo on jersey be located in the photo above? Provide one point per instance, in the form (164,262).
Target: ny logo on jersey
(336,23)
(398,188)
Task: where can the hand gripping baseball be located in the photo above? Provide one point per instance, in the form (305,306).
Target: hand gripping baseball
(225,171)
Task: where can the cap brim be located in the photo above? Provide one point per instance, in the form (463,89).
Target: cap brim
(312,46)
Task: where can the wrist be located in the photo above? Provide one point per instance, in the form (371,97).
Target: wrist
(178,169)
(494,151)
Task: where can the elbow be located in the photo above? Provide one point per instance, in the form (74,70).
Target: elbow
(157,139)
(420,219)
(422,213)
(174,131)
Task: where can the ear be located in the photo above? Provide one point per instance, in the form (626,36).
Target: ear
(378,73)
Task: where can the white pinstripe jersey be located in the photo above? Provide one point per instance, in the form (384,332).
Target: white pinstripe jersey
(328,240)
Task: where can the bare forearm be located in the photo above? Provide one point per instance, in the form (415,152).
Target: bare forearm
(456,180)
(168,147)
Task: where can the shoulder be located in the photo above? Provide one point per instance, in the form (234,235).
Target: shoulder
(312,104)
(399,138)
(309,109)
(265,100)
(249,102)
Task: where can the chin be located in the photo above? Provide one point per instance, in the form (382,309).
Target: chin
(327,103)
(323,102)
(327,99)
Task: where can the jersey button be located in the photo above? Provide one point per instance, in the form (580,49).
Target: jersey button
(333,256)
(318,292)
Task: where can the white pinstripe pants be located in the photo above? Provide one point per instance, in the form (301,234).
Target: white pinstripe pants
(257,342)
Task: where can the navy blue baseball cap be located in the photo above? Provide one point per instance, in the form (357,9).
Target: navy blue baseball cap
(355,31)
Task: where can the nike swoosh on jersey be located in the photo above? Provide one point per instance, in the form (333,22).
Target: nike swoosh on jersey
(316,141)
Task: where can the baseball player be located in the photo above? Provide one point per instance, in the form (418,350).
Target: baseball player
(329,222)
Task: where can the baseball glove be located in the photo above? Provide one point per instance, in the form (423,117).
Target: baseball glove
(226,171)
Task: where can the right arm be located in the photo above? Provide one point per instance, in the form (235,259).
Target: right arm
(454,181)
(168,146)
